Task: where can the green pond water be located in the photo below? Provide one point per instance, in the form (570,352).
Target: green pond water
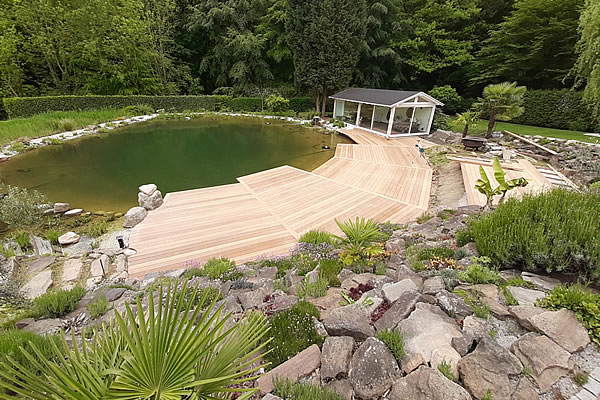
(102,173)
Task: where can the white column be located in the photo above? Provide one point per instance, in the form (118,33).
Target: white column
(358,114)
(412,118)
(334,108)
(373,118)
(391,121)
(431,120)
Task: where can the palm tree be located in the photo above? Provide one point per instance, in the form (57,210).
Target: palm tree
(468,119)
(176,349)
(501,101)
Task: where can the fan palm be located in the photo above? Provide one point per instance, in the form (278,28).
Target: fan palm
(360,232)
(174,350)
(501,101)
(468,119)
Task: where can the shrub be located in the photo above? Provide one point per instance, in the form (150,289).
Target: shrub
(52,236)
(18,147)
(394,341)
(360,232)
(138,109)
(98,307)
(286,389)
(479,274)
(418,255)
(480,309)
(595,187)
(22,239)
(277,103)
(210,293)
(250,104)
(423,218)
(292,331)
(329,269)
(58,303)
(440,121)
(453,102)
(98,229)
(12,340)
(584,303)
(221,268)
(22,207)
(66,124)
(317,237)
(552,231)
(463,237)
(318,288)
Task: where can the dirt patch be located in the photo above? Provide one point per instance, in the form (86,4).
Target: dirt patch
(448,188)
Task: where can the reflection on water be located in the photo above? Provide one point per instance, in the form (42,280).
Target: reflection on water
(103,172)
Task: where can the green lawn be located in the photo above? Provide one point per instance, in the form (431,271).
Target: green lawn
(54,122)
(527,130)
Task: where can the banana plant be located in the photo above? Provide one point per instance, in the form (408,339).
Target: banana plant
(484,184)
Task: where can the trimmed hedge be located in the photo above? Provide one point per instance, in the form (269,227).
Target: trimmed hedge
(21,107)
(560,109)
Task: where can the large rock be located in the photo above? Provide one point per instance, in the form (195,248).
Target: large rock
(427,384)
(452,304)
(547,360)
(71,269)
(151,202)
(525,390)
(299,366)
(134,216)
(393,291)
(352,320)
(148,189)
(38,285)
(335,358)
(61,207)
(488,368)
(562,327)
(433,285)
(524,314)
(68,238)
(478,327)
(99,266)
(343,387)
(544,282)
(427,329)
(398,311)
(37,265)
(73,213)
(374,369)
(251,299)
(44,326)
(526,296)
(41,247)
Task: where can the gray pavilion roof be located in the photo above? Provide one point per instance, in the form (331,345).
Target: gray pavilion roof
(382,97)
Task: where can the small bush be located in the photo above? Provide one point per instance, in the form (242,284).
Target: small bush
(329,269)
(552,231)
(318,288)
(58,303)
(463,237)
(479,274)
(585,305)
(304,307)
(292,331)
(581,378)
(139,109)
(446,369)
(66,124)
(98,229)
(288,390)
(12,340)
(52,236)
(211,293)
(18,147)
(317,237)
(22,207)
(418,255)
(221,268)
(595,187)
(453,102)
(98,307)
(277,103)
(22,239)
(394,341)
(423,218)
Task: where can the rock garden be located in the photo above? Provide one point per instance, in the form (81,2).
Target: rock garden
(458,305)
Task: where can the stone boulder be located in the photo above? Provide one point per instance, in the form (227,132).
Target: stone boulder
(328,302)
(401,309)
(427,384)
(524,314)
(299,366)
(428,329)
(335,358)
(478,327)
(374,369)
(38,285)
(148,189)
(37,265)
(343,387)
(488,368)
(100,266)
(251,299)
(433,285)
(41,247)
(61,207)
(562,327)
(68,238)
(352,320)
(393,291)
(150,202)
(134,216)
(44,326)
(543,282)
(452,304)
(547,360)
(526,296)
(71,269)
(73,213)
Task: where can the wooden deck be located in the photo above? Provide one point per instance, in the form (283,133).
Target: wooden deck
(266,212)
(520,168)
(360,136)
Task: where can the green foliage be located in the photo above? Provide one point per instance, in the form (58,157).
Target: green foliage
(484,184)
(97,229)
(446,369)
(488,395)
(138,109)
(292,331)
(277,103)
(22,239)
(423,218)
(479,273)
(288,390)
(190,352)
(453,102)
(18,147)
(583,302)
(418,255)
(22,207)
(394,340)
(502,101)
(463,237)
(595,187)
(587,69)
(318,288)
(552,231)
(560,109)
(57,303)
(221,268)
(473,300)
(209,293)
(329,269)
(581,378)
(359,241)
(98,307)
(317,237)
(468,119)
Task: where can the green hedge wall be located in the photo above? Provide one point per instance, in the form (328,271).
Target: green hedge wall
(19,107)
(561,109)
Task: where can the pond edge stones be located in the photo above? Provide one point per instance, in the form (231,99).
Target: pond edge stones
(149,199)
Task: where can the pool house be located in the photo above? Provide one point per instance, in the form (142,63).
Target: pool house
(389,113)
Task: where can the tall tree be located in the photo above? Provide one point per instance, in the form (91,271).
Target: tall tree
(535,45)
(587,68)
(501,101)
(273,26)
(326,37)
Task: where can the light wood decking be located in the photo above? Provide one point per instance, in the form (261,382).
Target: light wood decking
(360,136)
(266,212)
